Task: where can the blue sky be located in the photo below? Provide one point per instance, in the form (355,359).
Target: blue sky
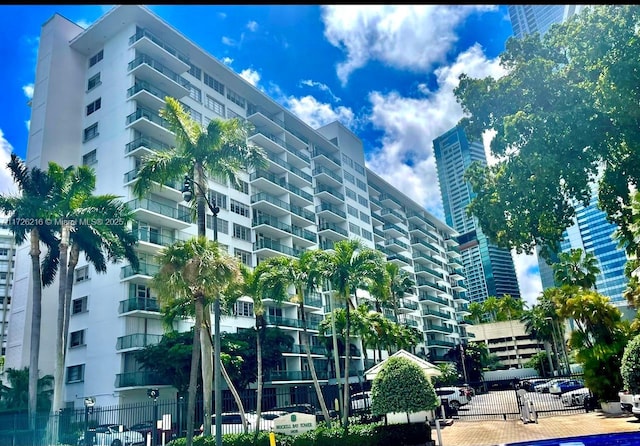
(386,72)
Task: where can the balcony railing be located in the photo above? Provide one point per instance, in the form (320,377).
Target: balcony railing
(146,269)
(148,115)
(139,379)
(144,33)
(138,340)
(144,59)
(138,304)
(290,322)
(270,244)
(159,208)
(148,142)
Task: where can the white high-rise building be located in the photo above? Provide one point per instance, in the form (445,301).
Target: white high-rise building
(96,100)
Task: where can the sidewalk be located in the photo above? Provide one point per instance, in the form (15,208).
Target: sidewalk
(492,433)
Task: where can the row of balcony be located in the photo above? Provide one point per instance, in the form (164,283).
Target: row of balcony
(299,211)
(282,143)
(282,182)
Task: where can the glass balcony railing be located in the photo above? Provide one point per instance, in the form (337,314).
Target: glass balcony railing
(149,115)
(138,304)
(160,208)
(144,59)
(169,49)
(138,340)
(148,142)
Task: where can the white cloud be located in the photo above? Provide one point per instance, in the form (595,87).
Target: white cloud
(28,90)
(7,185)
(321,86)
(410,125)
(412,37)
(252,26)
(229,41)
(528,273)
(251,76)
(316,114)
(227,60)
(28,124)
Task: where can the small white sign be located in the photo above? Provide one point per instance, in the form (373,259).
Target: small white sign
(294,423)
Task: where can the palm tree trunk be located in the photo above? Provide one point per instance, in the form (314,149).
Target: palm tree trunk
(207,367)
(62,315)
(36,316)
(236,396)
(193,374)
(259,328)
(312,366)
(336,354)
(347,358)
(74,255)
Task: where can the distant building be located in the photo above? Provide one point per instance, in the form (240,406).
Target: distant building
(489,270)
(528,19)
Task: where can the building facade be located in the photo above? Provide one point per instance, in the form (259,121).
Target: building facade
(7,265)
(98,92)
(529,19)
(488,269)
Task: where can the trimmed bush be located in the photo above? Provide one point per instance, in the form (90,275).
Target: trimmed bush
(630,368)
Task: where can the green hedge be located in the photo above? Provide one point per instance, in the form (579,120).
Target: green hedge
(375,434)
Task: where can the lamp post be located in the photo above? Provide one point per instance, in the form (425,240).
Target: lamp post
(154,394)
(89,402)
(187,195)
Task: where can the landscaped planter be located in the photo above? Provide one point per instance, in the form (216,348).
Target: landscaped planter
(612,407)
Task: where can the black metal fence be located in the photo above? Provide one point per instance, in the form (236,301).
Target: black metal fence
(503,400)
(68,426)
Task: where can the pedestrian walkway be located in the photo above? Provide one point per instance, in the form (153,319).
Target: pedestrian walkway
(492,433)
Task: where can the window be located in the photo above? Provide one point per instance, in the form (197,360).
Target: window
(95,105)
(236,98)
(4,252)
(82,273)
(75,373)
(195,93)
(211,82)
(217,198)
(196,116)
(358,168)
(363,201)
(79,305)
(355,229)
(243,256)
(243,309)
(367,234)
(350,193)
(352,211)
(349,177)
(76,338)
(241,186)
(90,158)
(195,71)
(347,160)
(90,132)
(96,58)
(241,232)
(213,105)
(365,217)
(361,184)
(240,208)
(93,82)
(223,225)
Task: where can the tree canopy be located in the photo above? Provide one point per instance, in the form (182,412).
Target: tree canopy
(565,118)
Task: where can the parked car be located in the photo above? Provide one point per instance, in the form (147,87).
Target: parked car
(626,401)
(148,426)
(456,396)
(575,397)
(565,386)
(529,384)
(635,409)
(544,387)
(302,408)
(113,435)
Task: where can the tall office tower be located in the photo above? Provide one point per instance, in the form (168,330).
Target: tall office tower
(528,19)
(590,230)
(97,95)
(489,270)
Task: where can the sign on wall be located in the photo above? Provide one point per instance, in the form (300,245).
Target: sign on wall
(294,423)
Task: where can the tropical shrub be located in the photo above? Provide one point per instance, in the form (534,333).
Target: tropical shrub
(630,368)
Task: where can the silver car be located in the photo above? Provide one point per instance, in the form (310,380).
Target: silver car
(113,435)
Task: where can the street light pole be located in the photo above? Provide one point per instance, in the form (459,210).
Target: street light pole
(217,375)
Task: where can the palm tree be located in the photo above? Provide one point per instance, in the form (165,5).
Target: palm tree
(477,312)
(278,275)
(576,268)
(29,214)
(538,323)
(400,284)
(490,306)
(222,150)
(348,266)
(95,225)
(16,395)
(508,309)
(193,273)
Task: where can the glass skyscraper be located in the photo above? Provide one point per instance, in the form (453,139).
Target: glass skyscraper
(528,19)
(489,270)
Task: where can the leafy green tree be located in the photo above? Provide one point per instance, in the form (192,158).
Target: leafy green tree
(509,308)
(561,121)
(630,369)
(491,307)
(477,312)
(576,268)
(402,386)
(219,149)
(448,374)
(28,213)
(400,284)
(194,271)
(15,396)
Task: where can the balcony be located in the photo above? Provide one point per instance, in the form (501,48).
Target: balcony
(153,240)
(147,68)
(298,375)
(396,245)
(333,227)
(437,328)
(423,297)
(146,42)
(144,269)
(329,194)
(390,202)
(141,379)
(321,157)
(427,312)
(290,322)
(138,340)
(280,229)
(407,304)
(315,350)
(170,216)
(328,211)
(144,146)
(392,216)
(394,231)
(138,304)
(323,174)
(299,177)
(149,122)
(147,95)
(275,247)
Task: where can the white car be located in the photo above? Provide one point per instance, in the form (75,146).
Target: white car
(456,396)
(575,397)
(626,401)
(635,410)
(232,422)
(361,401)
(113,435)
